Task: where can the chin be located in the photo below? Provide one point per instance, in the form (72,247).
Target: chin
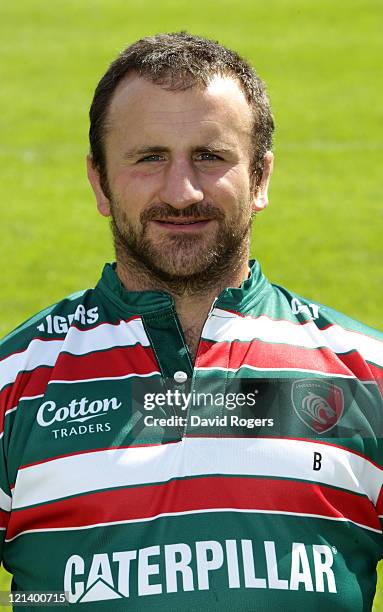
(183,271)
(182,261)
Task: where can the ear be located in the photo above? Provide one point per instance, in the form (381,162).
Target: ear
(103,203)
(260,197)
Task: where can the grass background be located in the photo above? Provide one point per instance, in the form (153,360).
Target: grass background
(322,235)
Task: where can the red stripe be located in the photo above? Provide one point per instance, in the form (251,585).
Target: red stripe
(379,503)
(259,494)
(27,384)
(115,362)
(4,519)
(377,372)
(111,363)
(264,355)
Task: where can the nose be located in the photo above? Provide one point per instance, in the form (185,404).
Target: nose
(181,186)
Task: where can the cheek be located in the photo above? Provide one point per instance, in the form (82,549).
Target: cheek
(232,189)
(136,192)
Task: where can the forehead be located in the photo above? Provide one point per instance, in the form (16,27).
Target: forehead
(141,107)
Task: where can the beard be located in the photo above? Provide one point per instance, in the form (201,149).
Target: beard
(185,263)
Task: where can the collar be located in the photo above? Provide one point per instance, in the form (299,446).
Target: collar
(145,302)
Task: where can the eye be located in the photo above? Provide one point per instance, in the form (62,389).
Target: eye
(207,156)
(151,158)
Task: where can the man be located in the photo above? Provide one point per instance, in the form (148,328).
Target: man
(119,484)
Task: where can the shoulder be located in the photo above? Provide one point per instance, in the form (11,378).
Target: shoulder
(52,323)
(332,335)
(303,310)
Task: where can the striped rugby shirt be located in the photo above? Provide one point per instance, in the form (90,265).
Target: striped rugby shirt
(128,494)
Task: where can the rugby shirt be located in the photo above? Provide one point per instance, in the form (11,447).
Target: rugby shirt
(133,480)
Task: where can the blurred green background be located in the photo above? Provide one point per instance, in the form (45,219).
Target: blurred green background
(321,236)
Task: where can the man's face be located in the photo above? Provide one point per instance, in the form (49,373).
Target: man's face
(178,172)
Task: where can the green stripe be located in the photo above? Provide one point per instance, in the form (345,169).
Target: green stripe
(351,546)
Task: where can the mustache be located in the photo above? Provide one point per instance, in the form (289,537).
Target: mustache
(163,211)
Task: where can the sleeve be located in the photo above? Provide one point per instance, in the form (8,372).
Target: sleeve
(5,493)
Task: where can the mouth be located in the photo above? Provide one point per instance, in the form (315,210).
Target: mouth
(182,225)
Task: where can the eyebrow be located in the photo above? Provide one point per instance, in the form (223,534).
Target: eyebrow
(211,147)
(136,152)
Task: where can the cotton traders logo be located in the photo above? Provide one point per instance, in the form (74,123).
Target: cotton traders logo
(77,411)
(318,403)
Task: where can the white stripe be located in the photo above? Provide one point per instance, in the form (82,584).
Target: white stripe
(5,501)
(31,397)
(98,379)
(38,353)
(105,336)
(225,326)
(250,367)
(76,342)
(274,458)
(188,512)
(22,399)
(10,410)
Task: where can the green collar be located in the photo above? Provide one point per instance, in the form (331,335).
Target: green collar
(146,302)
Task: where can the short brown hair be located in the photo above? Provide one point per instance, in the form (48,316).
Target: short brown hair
(179,61)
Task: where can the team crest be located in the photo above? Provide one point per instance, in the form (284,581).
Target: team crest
(318,403)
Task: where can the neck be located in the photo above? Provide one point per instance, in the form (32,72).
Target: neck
(135,279)
(192,303)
